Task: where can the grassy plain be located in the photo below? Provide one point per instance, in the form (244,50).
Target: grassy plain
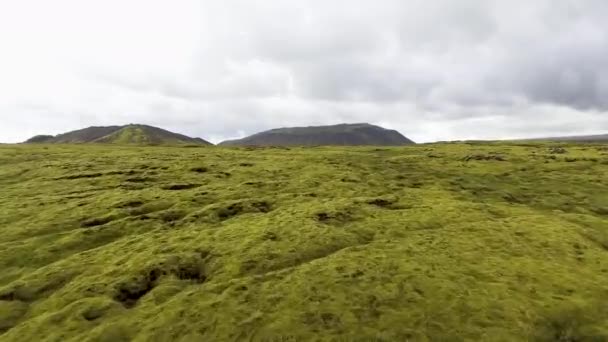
(495,242)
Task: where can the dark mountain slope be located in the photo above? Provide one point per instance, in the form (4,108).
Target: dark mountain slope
(147,135)
(39,139)
(129,134)
(89,134)
(343,134)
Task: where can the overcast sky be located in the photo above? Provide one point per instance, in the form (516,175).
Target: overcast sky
(432,69)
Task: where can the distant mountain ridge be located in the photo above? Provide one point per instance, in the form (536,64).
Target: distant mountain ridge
(577,138)
(133,134)
(338,135)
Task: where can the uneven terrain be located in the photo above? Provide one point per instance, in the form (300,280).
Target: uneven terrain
(495,242)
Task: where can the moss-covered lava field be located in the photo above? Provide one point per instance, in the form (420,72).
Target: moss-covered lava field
(441,242)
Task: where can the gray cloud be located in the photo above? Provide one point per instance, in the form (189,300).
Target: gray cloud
(435,70)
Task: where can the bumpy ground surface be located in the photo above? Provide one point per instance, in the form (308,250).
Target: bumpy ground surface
(429,242)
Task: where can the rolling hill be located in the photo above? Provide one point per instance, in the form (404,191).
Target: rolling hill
(133,134)
(338,135)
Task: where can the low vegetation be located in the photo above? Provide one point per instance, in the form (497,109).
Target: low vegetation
(494,242)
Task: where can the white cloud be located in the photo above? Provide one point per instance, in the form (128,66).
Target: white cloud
(217,69)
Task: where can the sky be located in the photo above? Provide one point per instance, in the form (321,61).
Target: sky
(432,69)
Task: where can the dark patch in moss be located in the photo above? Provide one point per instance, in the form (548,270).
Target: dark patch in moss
(237,208)
(225,211)
(484,157)
(322,217)
(82,175)
(326,320)
(248,266)
(126,172)
(600,210)
(97,221)
(246,164)
(415,185)
(254,183)
(572,160)
(382,202)
(570,325)
(93,314)
(172,215)
(261,206)
(230,211)
(270,236)
(9,296)
(190,273)
(180,186)
(129,293)
(333,218)
(223,175)
(357,274)
(511,198)
(330,320)
(139,179)
(130,204)
(200,169)
(557,150)
(133,186)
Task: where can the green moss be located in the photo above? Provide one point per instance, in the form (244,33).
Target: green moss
(476,241)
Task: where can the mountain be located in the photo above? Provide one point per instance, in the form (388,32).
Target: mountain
(38,139)
(133,134)
(342,134)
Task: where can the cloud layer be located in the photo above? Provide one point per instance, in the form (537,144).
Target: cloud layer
(435,70)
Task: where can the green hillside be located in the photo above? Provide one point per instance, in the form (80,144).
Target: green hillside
(438,242)
(123,135)
(334,135)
